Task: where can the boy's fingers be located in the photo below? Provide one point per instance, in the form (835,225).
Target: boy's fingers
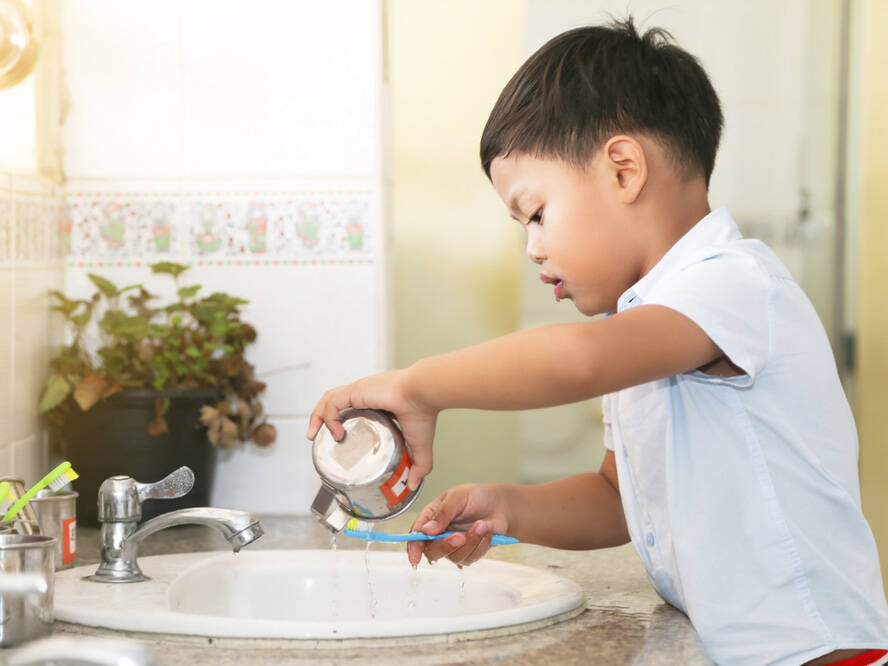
(474,547)
(435,550)
(428,512)
(451,505)
(422,465)
(414,552)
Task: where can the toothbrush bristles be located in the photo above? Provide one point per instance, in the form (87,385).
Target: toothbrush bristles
(62,480)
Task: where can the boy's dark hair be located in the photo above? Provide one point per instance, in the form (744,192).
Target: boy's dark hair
(588,84)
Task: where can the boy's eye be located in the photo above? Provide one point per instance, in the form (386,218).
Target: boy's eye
(536,217)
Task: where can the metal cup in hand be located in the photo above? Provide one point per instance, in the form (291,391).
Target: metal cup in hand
(365,474)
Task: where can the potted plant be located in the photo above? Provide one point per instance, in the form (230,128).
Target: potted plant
(166,386)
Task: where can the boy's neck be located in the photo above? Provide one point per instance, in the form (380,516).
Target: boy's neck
(670,209)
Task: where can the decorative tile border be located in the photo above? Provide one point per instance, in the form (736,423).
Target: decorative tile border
(217,227)
(34,231)
(121,226)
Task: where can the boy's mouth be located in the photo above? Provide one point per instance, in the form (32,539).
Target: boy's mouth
(559,285)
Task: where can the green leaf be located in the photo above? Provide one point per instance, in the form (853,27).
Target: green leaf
(118,323)
(83,318)
(169,267)
(66,305)
(57,389)
(105,286)
(189,292)
(193,352)
(159,331)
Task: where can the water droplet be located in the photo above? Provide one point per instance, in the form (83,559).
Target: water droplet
(372,597)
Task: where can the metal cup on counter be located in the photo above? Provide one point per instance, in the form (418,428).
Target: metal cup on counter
(26,586)
(57,517)
(26,522)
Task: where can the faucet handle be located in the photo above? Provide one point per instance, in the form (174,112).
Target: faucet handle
(120,497)
(175,484)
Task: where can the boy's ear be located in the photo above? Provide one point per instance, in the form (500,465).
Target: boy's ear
(628,164)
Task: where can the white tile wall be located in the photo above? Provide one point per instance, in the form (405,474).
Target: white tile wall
(29,459)
(281,480)
(242,137)
(275,89)
(222,88)
(121,62)
(30,265)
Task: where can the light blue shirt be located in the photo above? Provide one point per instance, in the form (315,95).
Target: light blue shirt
(741,493)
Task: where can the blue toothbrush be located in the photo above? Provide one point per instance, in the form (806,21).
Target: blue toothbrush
(350,530)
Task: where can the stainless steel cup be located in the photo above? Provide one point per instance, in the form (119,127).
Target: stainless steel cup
(364,475)
(25,614)
(19,526)
(57,517)
(27,514)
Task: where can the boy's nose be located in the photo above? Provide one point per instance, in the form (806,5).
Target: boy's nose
(534,250)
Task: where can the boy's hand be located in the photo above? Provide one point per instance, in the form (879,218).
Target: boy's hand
(387,391)
(479,510)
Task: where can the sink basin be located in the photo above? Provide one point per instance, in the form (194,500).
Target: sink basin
(317,594)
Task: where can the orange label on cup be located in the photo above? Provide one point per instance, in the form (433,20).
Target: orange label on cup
(69,539)
(395,488)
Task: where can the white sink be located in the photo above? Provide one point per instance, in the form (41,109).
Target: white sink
(317,594)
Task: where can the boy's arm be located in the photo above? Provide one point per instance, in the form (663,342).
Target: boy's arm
(536,367)
(580,512)
(563,363)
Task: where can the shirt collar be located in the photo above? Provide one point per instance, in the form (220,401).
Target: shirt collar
(717,228)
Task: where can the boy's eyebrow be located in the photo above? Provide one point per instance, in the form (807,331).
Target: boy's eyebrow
(513,202)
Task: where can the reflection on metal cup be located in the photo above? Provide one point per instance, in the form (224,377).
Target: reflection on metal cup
(364,475)
(57,517)
(25,613)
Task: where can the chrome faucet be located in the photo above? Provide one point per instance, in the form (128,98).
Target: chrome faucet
(120,510)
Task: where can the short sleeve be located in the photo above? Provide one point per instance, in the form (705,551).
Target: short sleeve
(728,296)
(607,420)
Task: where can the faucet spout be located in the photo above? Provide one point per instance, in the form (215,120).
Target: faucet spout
(120,540)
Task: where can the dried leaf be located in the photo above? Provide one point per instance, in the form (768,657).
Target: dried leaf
(111,390)
(158,426)
(244,413)
(209,415)
(90,390)
(254,387)
(264,435)
(229,432)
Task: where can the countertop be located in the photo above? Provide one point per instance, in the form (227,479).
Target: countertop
(624,622)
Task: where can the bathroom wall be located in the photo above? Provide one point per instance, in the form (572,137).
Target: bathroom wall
(243,138)
(456,255)
(873,297)
(32,238)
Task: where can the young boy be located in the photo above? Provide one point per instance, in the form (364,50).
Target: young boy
(731,449)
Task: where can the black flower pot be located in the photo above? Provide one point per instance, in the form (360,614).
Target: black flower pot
(112,438)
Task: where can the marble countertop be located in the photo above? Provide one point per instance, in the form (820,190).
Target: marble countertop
(625,622)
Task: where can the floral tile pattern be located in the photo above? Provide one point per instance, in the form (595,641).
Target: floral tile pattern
(121,226)
(34,234)
(220,227)
(289,226)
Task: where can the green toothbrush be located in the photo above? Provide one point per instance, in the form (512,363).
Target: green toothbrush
(56,479)
(4,490)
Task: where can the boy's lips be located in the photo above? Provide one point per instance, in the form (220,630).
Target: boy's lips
(559,285)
